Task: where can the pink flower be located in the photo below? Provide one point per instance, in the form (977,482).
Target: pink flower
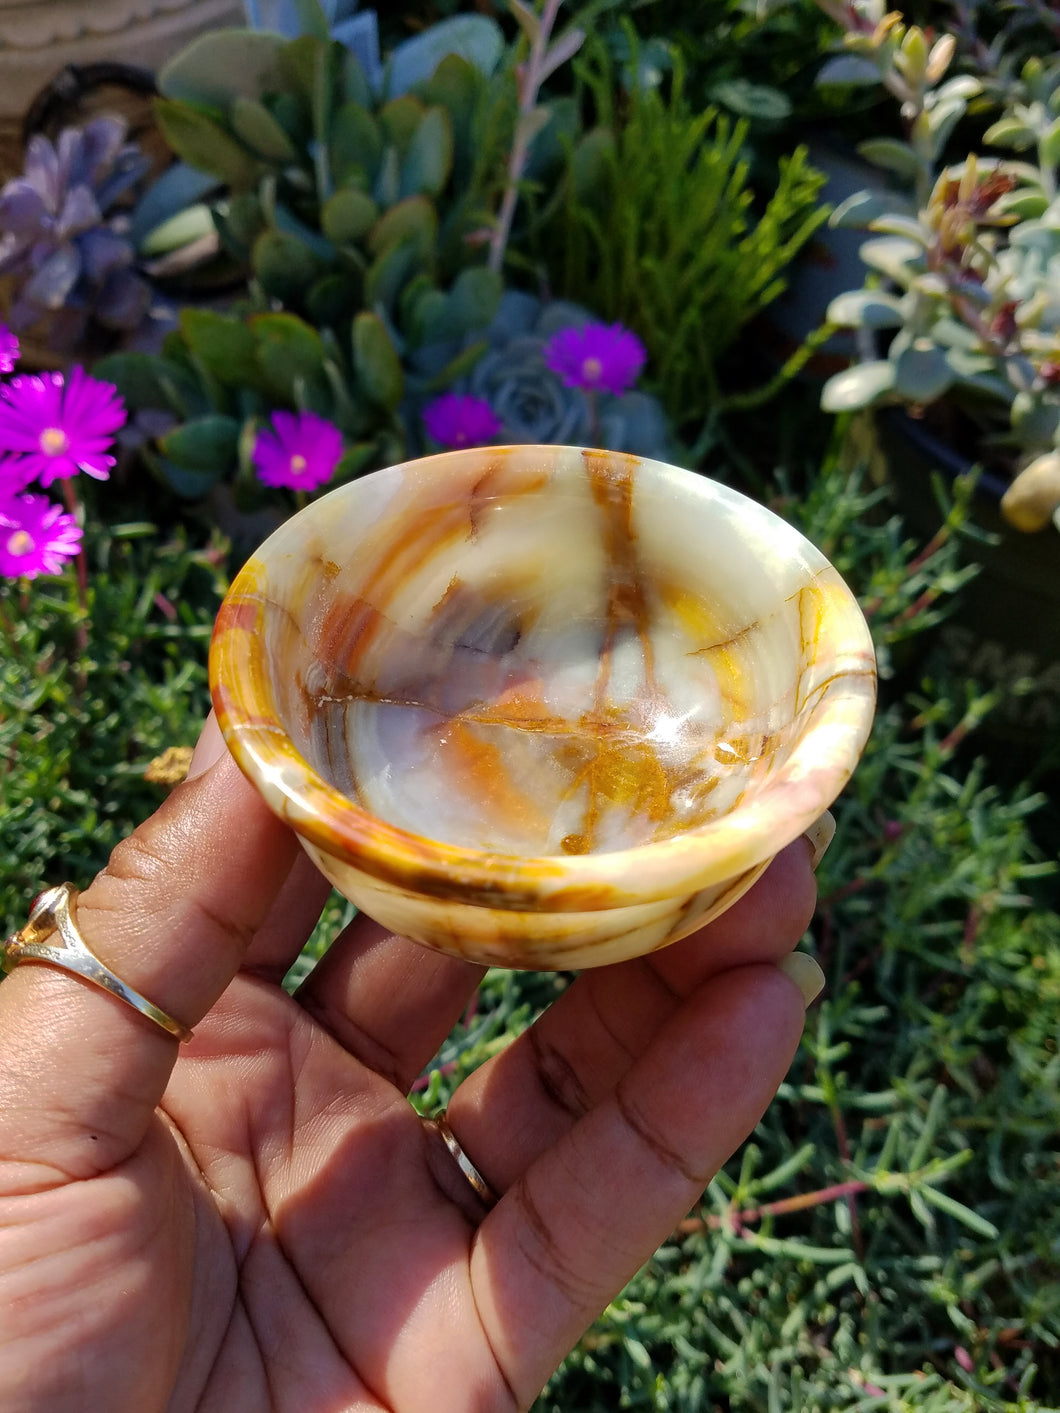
(299,450)
(36,537)
(596,356)
(57,427)
(9,350)
(458,419)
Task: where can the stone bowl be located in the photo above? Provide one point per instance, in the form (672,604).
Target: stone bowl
(538,706)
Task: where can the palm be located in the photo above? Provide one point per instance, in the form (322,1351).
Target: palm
(325,1253)
(275,1230)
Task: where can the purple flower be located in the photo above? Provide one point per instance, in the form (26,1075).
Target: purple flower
(458,419)
(56,427)
(9,350)
(596,356)
(36,537)
(299,450)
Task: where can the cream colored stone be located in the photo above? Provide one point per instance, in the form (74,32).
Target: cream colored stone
(538,706)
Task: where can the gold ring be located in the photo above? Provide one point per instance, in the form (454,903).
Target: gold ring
(482,1189)
(54,912)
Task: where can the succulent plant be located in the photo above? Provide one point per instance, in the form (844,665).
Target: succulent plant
(359,221)
(63,244)
(654,224)
(312,158)
(962,301)
(531,401)
(477,38)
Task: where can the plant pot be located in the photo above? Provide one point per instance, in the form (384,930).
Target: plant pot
(829,264)
(1006,626)
(39,38)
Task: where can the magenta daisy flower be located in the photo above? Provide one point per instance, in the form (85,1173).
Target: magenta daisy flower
(59,426)
(458,419)
(596,356)
(36,537)
(299,450)
(16,474)
(9,350)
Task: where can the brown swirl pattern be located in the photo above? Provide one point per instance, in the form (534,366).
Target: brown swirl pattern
(542,706)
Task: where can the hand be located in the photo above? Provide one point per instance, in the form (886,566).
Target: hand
(258,1219)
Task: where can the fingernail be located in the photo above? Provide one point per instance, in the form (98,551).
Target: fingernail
(805,973)
(819,835)
(209,748)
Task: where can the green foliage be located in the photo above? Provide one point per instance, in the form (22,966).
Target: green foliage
(757,61)
(963,268)
(349,215)
(87,699)
(655,226)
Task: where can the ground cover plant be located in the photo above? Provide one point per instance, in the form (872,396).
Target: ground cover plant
(889,1238)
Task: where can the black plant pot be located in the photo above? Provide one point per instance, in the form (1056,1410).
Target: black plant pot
(1006,626)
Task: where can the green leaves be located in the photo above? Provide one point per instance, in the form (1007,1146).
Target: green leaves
(259,130)
(376,363)
(865,309)
(348,215)
(428,156)
(922,372)
(223,345)
(476,39)
(222,65)
(857,387)
(206,445)
(204,143)
(355,145)
(291,355)
(284,266)
(655,226)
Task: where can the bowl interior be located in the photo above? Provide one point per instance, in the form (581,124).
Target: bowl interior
(543,651)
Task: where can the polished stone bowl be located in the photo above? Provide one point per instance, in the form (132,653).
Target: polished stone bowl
(539,706)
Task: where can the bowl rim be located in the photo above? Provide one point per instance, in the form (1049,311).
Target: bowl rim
(783,807)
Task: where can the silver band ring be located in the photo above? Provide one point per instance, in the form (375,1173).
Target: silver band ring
(482,1189)
(54,916)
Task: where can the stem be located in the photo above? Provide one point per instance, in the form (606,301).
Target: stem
(838,1191)
(9,633)
(754,397)
(594,416)
(529,84)
(73,506)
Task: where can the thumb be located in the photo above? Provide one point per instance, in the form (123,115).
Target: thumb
(171,915)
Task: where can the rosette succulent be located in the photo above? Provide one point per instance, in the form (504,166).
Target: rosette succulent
(531,399)
(63,244)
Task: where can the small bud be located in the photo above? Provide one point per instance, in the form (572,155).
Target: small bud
(890,23)
(1034,496)
(912,59)
(940,58)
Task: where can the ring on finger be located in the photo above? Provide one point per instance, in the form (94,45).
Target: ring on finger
(481,1188)
(51,936)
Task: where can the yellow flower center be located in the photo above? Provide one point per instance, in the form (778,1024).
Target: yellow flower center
(21,542)
(298,464)
(53,441)
(591,370)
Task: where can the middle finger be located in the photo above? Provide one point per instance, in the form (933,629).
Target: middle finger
(579,1049)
